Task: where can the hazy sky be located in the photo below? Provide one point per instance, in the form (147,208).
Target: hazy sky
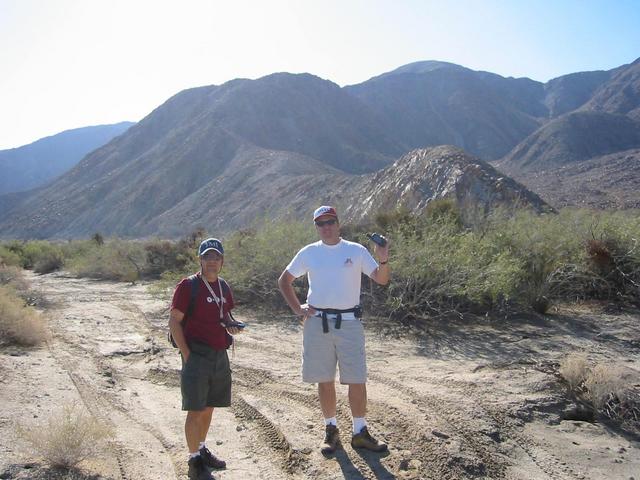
(72,63)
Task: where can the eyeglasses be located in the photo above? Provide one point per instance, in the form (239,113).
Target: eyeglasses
(322,223)
(209,257)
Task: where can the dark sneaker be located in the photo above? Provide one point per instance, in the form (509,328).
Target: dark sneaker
(331,440)
(197,469)
(365,440)
(210,460)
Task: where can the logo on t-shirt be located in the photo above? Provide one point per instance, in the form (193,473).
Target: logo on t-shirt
(348,262)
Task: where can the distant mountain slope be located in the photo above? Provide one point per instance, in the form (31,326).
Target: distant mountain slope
(568,92)
(32,165)
(620,94)
(609,181)
(221,156)
(259,183)
(574,137)
(434,103)
(283,185)
(191,140)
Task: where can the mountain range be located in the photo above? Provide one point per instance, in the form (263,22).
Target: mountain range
(222,156)
(33,165)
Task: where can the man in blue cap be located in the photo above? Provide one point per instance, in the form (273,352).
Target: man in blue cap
(200,326)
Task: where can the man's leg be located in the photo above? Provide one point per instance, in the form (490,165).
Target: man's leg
(327,395)
(196,427)
(361,436)
(358,399)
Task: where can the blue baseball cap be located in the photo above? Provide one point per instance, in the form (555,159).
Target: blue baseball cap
(210,244)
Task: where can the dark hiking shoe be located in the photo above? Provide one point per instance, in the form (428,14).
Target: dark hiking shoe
(198,470)
(331,440)
(210,460)
(365,440)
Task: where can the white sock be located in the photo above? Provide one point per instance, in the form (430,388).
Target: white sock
(202,445)
(194,454)
(331,421)
(358,424)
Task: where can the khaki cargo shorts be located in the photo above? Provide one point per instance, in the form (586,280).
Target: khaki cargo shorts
(321,352)
(206,378)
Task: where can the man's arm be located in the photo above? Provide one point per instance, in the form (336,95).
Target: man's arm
(382,274)
(285,284)
(177,332)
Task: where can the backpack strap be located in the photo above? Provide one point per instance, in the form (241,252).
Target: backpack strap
(194,282)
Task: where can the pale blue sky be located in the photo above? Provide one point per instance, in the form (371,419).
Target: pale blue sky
(72,63)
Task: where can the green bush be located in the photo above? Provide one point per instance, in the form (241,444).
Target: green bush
(254,259)
(9,257)
(114,260)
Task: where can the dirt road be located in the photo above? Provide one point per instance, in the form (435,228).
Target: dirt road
(468,401)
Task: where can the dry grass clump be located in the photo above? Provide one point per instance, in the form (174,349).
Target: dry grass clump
(12,275)
(605,383)
(605,387)
(19,323)
(574,369)
(68,437)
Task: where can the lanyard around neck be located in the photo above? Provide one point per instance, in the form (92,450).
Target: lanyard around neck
(219,301)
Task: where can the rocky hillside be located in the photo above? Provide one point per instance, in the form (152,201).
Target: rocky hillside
(608,181)
(222,156)
(424,175)
(259,183)
(33,165)
(620,94)
(572,138)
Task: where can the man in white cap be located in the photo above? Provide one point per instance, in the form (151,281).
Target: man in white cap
(201,325)
(333,334)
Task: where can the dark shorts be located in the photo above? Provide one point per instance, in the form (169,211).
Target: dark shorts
(205,379)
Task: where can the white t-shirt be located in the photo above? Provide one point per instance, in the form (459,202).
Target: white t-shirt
(334,272)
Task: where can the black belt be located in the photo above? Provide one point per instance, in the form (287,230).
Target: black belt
(357,312)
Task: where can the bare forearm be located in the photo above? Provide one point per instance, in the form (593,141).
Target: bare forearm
(383,274)
(289,295)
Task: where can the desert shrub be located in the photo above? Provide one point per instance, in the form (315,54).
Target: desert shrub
(392,220)
(13,276)
(19,323)
(444,209)
(604,383)
(49,261)
(439,267)
(165,256)
(68,437)
(114,260)
(9,257)
(42,254)
(574,368)
(254,259)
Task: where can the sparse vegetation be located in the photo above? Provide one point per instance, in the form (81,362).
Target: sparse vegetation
(604,387)
(604,383)
(19,323)
(574,369)
(68,437)
(448,260)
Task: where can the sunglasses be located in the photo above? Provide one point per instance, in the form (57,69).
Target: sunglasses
(322,223)
(208,257)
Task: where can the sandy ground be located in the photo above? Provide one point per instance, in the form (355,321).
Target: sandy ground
(469,400)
